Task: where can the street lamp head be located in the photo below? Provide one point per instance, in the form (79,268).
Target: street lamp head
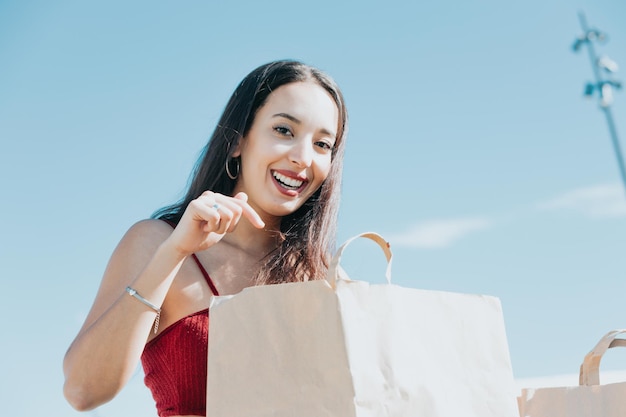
(606,95)
(589,36)
(596,35)
(607,64)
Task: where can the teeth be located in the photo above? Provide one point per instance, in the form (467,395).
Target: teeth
(289,182)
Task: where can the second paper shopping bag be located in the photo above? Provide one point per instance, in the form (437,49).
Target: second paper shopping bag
(343,348)
(589,399)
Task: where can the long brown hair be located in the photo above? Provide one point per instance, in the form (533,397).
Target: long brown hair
(308,234)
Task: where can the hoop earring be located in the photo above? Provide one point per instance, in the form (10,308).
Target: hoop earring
(231,176)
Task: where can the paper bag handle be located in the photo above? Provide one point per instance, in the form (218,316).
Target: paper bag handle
(334,270)
(590,368)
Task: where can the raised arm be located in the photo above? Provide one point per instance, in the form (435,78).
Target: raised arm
(108,347)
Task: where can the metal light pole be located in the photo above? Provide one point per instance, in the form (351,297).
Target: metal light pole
(603,86)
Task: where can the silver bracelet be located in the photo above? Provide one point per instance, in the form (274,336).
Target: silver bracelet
(133,293)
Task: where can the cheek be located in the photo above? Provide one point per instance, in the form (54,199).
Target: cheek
(323,168)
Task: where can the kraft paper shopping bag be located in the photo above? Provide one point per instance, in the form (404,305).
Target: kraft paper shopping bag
(589,399)
(343,348)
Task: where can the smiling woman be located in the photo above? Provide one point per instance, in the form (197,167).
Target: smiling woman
(261,208)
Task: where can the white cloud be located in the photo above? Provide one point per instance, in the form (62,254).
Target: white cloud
(600,201)
(435,234)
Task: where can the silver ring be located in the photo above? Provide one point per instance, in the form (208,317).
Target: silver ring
(216,207)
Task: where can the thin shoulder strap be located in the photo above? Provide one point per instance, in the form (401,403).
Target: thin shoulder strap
(195,258)
(206,275)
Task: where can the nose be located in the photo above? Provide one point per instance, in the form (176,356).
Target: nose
(301,153)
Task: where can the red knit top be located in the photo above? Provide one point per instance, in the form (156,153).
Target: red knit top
(175,363)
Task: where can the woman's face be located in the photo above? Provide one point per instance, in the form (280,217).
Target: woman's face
(286,155)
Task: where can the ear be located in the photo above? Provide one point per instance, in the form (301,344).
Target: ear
(237,152)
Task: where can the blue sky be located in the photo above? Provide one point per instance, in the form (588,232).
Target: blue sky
(471,148)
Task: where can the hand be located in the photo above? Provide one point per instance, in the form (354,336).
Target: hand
(208,218)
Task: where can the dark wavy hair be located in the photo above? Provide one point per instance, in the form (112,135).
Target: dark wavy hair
(307,235)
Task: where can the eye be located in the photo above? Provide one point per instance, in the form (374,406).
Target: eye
(283,130)
(325,145)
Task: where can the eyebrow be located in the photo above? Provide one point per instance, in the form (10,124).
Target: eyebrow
(298,121)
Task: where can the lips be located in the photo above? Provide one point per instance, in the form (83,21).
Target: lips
(289,182)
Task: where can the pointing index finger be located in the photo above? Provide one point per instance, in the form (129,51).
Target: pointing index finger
(253,216)
(249,212)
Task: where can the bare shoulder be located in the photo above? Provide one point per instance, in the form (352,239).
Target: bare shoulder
(137,247)
(146,234)
(149,229)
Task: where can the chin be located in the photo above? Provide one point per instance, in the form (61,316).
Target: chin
(285,210)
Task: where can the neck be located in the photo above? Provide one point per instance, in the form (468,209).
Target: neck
(255,242)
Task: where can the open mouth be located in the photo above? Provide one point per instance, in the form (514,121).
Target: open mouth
(287,182)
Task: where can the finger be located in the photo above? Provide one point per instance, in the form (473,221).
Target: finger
(241,196)
(234,213)
(226,218)
(203,211)
(252,216)
(217,216)
(249,212)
